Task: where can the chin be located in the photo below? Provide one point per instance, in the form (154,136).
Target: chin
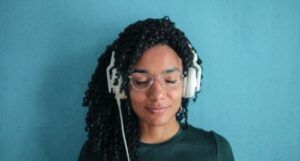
(159,121)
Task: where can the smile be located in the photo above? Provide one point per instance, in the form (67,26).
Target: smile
(156,110)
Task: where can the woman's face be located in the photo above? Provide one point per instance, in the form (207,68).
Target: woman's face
(158,105)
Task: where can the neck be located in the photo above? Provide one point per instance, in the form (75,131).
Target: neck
(157,134)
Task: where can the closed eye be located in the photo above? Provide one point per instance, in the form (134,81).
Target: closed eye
(171,81)
(140,82)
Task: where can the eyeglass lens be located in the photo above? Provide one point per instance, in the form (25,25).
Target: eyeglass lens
(142,81)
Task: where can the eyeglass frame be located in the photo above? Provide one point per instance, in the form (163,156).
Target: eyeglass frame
(140,71)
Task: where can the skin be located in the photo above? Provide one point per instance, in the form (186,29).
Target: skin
(156,107)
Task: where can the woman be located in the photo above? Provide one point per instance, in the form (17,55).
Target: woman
(138,99)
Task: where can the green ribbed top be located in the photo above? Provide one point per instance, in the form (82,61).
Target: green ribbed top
(191,144)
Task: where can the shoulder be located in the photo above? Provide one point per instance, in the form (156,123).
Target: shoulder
(223,147)
(211,140)
(199,135)
(84,155)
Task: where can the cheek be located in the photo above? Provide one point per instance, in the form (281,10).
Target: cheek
(176,97)
(136,99)
(176,93)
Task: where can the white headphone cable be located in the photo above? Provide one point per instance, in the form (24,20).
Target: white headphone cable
(122,128)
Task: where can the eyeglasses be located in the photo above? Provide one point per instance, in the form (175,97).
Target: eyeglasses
(170,79)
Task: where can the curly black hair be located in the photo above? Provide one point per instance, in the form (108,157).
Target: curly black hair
(103,122)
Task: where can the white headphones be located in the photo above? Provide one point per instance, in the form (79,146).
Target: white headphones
(191,85)
(113,76)
(115,87)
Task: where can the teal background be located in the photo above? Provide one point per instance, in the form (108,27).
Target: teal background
(251,85)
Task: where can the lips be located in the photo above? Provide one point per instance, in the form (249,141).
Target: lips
(157,109)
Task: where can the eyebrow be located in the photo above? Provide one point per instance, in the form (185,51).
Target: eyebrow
(139,71)
(170,70)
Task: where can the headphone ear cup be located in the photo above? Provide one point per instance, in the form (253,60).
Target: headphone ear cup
(198,77)
(112,76)
(118,92)
(184,87)
(192,82)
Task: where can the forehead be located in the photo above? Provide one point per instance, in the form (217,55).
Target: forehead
(158,59)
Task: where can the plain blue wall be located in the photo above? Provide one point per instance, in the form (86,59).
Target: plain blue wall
(251,85)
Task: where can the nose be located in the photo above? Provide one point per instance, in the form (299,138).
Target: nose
(156,91)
